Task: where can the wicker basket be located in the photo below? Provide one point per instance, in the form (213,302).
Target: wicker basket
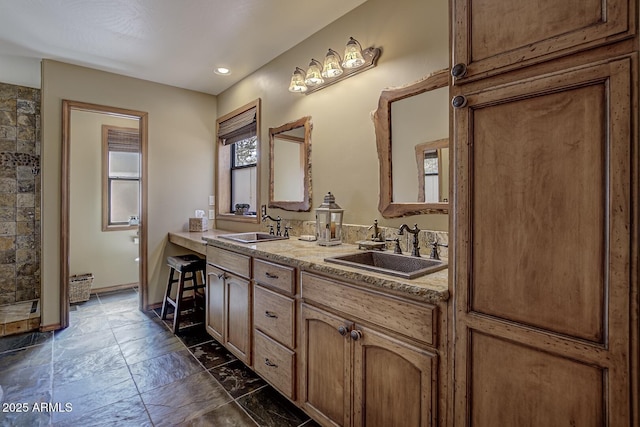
(80,287)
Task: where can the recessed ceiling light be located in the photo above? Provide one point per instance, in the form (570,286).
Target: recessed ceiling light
(222,71)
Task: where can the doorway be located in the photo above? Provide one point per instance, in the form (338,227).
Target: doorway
(102,225)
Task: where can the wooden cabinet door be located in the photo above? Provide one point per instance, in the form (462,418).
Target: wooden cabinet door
(392,382)
(215,303)
(325,373)
(493,36)
(238,321)
(543,250)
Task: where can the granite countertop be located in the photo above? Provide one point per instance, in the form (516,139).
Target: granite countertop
(309,256)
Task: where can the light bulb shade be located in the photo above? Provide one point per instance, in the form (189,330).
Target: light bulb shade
(331,67)
(314,75)
(353,54)
(297,81)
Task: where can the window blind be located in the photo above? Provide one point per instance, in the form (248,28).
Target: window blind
(237,128)
(127,140)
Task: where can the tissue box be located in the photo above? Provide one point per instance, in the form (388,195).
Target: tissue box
(198,224)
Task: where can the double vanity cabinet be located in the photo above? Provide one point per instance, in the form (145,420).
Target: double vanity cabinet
(351,348)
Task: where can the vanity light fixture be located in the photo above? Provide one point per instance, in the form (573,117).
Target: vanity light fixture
(297,81)
(334,69)
(353,54)
(314,75)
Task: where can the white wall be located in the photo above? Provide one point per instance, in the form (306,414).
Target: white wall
(181,135)
(21,71)
(414,38)
(109,255)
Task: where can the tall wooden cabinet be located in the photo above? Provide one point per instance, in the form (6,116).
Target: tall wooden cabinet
(546,213)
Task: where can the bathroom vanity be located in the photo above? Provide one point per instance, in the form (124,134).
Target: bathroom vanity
(345,344)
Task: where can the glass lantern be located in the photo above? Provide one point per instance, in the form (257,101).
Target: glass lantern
(329,222)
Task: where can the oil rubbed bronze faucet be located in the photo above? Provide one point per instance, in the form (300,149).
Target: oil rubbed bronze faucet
(415,230)
(377,234)
(277,221)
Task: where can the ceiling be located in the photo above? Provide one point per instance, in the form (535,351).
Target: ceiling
(174,42)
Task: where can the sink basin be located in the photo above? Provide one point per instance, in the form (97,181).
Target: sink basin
(252,237)
(389,263)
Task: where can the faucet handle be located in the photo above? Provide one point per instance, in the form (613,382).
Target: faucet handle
(396,249)
(286,230)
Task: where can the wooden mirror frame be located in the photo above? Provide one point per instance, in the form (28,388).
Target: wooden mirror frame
(305,204)
(382,124)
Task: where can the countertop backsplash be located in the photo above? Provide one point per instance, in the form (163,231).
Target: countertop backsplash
(352,233)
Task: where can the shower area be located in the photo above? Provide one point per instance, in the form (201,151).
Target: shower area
(20,183)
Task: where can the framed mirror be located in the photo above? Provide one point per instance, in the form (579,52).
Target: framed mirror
(412,137)
(290,166)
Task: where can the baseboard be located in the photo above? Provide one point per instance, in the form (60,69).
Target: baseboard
(154,306)
(48,328)
(115,287)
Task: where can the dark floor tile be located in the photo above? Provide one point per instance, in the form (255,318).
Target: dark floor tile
(270,409)
(125,413)
(29,418)
(194,336)
(136,331)
(93,392)
(126,318)
(87,364)
(83,325)
(67,347)
(27,339)
(212,354)
(163,370)
(228,415)
(30,384)
(185,399)
(36,355)
(237,379)
(149,347)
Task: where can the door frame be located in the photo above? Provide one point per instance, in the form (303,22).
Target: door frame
(67,107)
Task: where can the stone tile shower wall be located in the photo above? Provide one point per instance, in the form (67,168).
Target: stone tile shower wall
(20,184)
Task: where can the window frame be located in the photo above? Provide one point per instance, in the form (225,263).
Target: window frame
(225,166)
(107,179)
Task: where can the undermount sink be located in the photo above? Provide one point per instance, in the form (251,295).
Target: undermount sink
(388,263)
(252,237)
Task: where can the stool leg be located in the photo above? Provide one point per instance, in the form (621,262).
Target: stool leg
(176,315)
(167,295)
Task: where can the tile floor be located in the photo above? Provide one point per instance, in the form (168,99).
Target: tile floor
(117,366)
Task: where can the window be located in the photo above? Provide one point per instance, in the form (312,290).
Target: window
(121,177)
(238,152)
(431,188)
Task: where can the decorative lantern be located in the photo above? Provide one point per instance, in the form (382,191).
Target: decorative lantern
(329,222)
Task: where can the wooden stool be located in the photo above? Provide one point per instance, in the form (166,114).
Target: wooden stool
(187,267)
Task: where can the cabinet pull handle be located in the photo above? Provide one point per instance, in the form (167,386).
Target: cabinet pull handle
(269,314)
(459,70)
(356,335)
(459,101)
(271,275)
(221,276)
(342,330)
(269,363)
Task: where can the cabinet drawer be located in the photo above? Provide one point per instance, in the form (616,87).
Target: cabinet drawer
(275,363)
(273,315)
(229,261)
(276,276)
(405,317)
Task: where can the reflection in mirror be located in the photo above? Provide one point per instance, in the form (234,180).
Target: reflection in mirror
(414,174)
(432,159)
(290,165)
